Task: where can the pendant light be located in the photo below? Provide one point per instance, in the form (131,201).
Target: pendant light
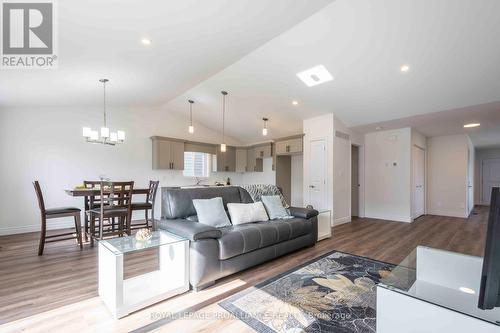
(264,129)
(107,137)
(191,128)
(223,144)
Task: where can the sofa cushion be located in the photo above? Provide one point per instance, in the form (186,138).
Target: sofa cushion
(242,213)
(274,207)
(211,212)
(244,238)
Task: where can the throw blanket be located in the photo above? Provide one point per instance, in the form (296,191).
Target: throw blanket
(256,191)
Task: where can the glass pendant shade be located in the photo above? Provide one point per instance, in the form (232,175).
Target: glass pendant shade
(121,136)
(104,132)
(94,135)
(223,147)
(264,131)
(113,137)
(86,131)
(191,129)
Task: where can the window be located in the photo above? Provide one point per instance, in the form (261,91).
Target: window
(196,164)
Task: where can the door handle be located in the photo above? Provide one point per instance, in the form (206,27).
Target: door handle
(311,186)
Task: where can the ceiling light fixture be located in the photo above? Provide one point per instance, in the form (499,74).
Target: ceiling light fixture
(471,125)
(223,144)
(146,41)
(191,128)
(295,103)
(314,76)
(405,68)
(467,290)
(107,137)
(264,129)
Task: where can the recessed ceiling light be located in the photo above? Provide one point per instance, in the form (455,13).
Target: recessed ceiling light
(405,68)
(314,76)
(295,103)
(472,125)
(146,41)
(467,290)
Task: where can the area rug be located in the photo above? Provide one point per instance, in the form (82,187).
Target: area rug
(333,293)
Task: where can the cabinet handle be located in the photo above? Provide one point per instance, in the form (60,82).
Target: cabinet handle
(261,153)
(287,148)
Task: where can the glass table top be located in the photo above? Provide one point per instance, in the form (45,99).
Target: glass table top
(447,279)
(128,244)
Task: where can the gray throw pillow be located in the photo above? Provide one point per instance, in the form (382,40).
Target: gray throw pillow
(211,212)
(274,207)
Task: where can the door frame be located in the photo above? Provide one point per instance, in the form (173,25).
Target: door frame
(412,191)
(361,179)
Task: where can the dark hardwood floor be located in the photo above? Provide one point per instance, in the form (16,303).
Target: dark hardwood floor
(64,275)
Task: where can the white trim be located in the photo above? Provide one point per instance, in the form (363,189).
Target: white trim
(341,220)
(52,225)
(447,213)
(393,218)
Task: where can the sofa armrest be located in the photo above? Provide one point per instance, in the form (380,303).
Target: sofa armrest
(304,213)
(191,230)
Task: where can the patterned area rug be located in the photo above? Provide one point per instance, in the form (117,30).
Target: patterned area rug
(334,293)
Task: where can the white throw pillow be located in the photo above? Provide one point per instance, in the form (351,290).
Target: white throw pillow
(274,207)
(211,212)
(246,213)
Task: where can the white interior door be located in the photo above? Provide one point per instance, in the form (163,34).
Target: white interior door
(418,182)
(491,178)
(317,175)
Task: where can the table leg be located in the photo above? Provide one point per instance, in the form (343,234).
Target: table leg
(86,217)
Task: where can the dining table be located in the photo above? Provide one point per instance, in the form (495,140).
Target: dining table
(86,193)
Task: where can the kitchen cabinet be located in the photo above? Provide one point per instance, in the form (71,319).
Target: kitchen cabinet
(168,154)
(289,146)
(226,161)
(241,160)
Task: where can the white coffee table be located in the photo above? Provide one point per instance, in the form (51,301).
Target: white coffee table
(125,296)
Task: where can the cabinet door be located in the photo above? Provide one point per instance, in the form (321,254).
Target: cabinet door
(281,147)
(251,160)
(241,160)
(295,146)
(230,160)
(161,154)
(263,151)
(177,155)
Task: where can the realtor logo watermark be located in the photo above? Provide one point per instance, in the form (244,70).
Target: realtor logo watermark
(28,34)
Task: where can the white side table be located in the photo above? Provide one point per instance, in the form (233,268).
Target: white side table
(324,224)
(125,296)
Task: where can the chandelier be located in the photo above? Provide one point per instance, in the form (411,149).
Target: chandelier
(106,136)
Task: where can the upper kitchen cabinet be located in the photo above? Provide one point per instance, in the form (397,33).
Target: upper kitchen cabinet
(289,146)
(226,161)
(167,153)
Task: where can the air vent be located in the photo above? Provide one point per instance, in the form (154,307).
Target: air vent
(342,135)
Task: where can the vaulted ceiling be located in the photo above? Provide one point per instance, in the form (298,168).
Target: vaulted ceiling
(253,49)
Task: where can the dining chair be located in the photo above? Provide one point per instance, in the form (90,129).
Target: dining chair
(52,213)
(115,201)
(148,205)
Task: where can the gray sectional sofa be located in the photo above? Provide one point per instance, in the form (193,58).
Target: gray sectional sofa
(219,252)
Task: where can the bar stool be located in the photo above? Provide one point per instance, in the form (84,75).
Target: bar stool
(53,213)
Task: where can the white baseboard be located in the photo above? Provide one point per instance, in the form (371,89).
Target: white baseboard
(446,213)
(394,218)
(341,220)
(53,225)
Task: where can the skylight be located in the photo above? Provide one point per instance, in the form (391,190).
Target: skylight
(315,76)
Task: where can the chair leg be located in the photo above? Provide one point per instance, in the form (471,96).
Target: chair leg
(43,231)
(78,227)
(152,217)
(101,227)
(146,216)
(92,229)
(86,229)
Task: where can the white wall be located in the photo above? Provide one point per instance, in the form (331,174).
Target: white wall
(481,155)
(46,144)
(297,181)
(447,175)
(388,175)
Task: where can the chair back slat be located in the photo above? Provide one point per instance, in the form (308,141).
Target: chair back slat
(153,187)
(116,194)
(39,196)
